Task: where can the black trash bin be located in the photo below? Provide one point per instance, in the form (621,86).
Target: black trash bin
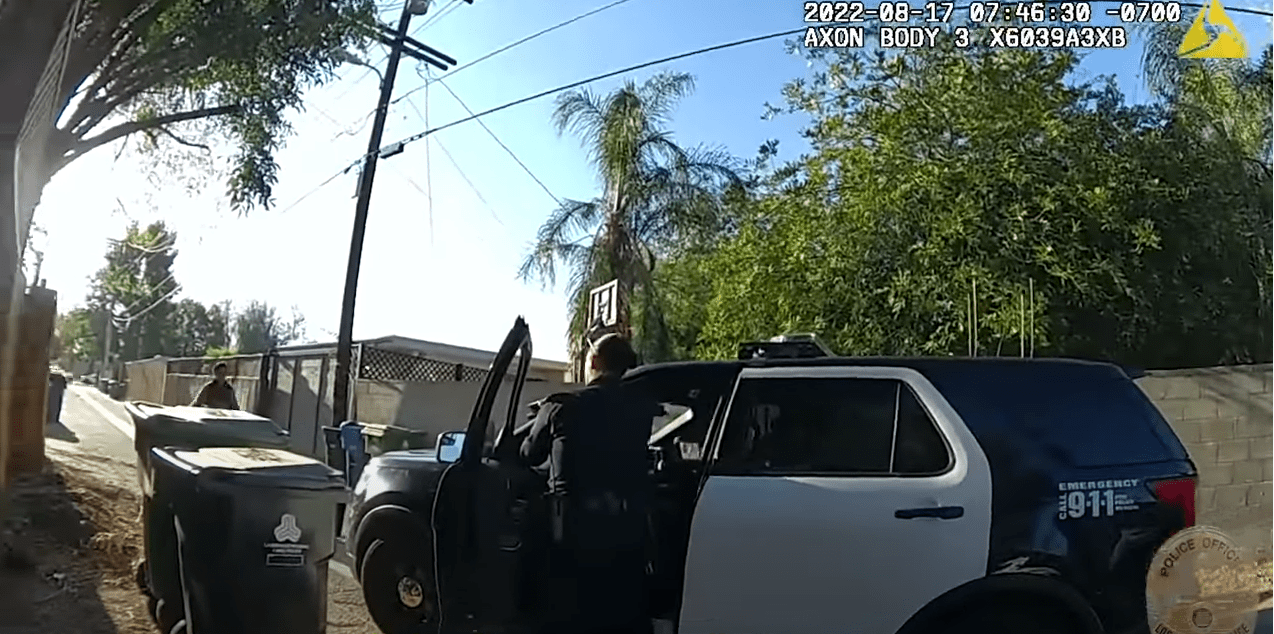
(255,530)
(184,428)
(335,454)
(57,390)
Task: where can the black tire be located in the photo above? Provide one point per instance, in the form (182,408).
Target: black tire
(395,574)
(1023,617)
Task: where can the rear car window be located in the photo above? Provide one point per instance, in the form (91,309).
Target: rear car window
(1089,415)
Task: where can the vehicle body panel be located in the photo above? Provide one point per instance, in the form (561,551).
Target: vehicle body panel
(403,478)
(846,559)
(839,566)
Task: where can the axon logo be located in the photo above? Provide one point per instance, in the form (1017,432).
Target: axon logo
(287,530)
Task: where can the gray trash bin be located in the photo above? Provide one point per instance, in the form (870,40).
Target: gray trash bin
(255,534)
(184,428)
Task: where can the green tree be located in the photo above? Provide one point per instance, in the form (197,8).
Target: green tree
(174,69)
(195,328)
(259,328)
(78,336)
(655,193)
(135,287)
(935,172)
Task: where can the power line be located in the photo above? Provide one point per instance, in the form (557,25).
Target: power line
(470,182)
(629,69)
(435,18)
(540,95)
(363,120)
(428,193)
(501,144)
(516,44)
(316,188)
(429,19)
(595,78)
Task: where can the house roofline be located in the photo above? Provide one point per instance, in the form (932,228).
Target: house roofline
(429,349)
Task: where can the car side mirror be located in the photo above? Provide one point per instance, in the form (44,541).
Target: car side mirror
(450,446)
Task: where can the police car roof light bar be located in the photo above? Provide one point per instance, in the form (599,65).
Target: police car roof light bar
(788,346)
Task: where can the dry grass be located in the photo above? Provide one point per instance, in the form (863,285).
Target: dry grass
(68,531)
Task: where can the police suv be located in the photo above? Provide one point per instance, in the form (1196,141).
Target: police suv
(802,493)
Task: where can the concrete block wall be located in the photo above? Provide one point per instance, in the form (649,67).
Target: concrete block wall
(1224,417)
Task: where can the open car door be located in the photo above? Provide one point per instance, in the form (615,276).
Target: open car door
(482,509)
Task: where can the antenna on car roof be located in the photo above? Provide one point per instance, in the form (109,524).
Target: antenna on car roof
(787,346)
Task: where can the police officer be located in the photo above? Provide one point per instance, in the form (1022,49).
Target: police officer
(594,442)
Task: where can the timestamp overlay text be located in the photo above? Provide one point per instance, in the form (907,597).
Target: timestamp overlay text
(902,24)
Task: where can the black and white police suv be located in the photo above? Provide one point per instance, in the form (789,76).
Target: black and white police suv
(804,493)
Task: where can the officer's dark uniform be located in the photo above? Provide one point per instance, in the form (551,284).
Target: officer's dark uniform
(594,442)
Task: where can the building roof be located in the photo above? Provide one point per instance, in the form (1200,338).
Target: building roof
(430,349)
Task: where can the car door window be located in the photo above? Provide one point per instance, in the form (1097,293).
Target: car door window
(850,426)
(919,448)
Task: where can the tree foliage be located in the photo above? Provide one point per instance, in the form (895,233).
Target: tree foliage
(655,194)
(226,69)
(259,328)
(195,329)
(78,336)
(135,287)
(1144,236)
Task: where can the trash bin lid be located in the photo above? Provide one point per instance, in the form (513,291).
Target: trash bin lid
(205,422)
(199,414)
(275,467)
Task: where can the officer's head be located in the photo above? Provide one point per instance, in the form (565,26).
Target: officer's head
(221,370)
(611,355)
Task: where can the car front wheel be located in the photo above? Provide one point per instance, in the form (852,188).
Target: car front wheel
(398,587)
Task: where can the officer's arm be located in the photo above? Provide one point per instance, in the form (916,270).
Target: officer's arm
(234,400)
(538,443)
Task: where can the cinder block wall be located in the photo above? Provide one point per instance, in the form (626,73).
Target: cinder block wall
(1224,417)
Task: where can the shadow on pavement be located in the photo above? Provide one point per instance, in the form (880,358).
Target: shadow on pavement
(49,579)
(59,431)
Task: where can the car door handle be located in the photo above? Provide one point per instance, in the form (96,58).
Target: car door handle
(940,512)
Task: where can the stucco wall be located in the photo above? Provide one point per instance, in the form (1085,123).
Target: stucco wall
(1224,417)
(435,407)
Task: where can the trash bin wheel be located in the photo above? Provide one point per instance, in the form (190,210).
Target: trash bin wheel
(143,582)
(398,586)
(168,616)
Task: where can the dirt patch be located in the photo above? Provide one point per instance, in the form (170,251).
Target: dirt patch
(69,551)
(66,558)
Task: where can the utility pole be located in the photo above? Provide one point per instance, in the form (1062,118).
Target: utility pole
(367,176)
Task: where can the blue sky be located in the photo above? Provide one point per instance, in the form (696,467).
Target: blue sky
(446,272)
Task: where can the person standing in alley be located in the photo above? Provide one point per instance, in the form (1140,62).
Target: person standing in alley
(594,443)
(218,393)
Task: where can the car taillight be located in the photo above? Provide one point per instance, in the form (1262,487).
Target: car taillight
(1177,493)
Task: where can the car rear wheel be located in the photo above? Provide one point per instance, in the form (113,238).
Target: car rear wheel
(398,586)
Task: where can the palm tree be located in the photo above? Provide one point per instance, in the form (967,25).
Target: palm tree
(655,195)
(1226,99)
(1225,102)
